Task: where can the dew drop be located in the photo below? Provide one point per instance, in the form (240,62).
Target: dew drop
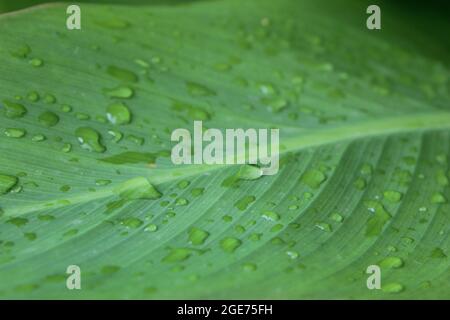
(7,182)
(244,202)
(391,262)
(14,132)
(337,217)
(392,196)
(122,74)
(379,218)
(438,198)
(89,139)
(18,221)
(118,113)
(249,267)
(438,253)
(48,119)
(38,138)
(196,192)
(131,222)
(271,216)
(36,62)
(230,244)
(393,287)
(33,96)
(151,228)
(14,109)
(324,226)
(137,188)
(110,269)
(177,255)
(313,178)
(198,236)
(197,89)
(119,92)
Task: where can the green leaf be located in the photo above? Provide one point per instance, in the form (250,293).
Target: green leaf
(86,177)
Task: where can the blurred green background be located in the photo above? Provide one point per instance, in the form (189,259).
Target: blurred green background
(420,25)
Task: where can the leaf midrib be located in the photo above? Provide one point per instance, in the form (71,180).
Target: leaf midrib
(307,139)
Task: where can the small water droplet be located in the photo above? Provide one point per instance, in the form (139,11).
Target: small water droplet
(392,196)
(197,89)
(119,92)
(181,202)
(137,188)
(196,192)
(33,96)
(249,267)
(324,226)
(36,62)
(393,287)
(48,119)
(198,236)
(360,183)
(244,202)
(271,216)
(151,228)
(313,178)
(122,74)
(177,255)
(131,222)
(438,253)
(116,135)
(438,198)
(118,113)
(110,269)
(391,262)
(30,236)
(49,98)
(38,138)
(14,109)
(7,182)
(292,254)
(14,132)
(102,182)
(230,244)
(89,139)
(337,217)
(66,108)
(18,221)
(379,218)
